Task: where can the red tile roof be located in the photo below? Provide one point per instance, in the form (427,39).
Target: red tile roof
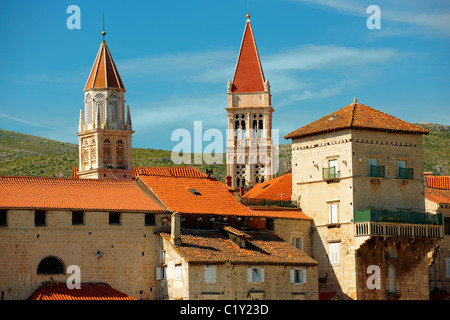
(279,212)
(178,193)
(356,116)
(210,246)
(78,194)
(88,291)
(248,76)
(188,172)
(104,73)
(441,182)
(440,196)
(275,189)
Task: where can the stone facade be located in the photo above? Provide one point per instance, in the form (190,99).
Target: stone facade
(332,200)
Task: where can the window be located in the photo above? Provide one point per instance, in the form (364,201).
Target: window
(335,253)
(50,265)
(330,172)
(270,225)
(114,218)
(178,272)
(333,213)
(77,218)
(195,192)
(210,274)
(298,243)
(3,221)
(150,219)
(447,267)
(255,274)
(298,275)
(403,171)
(392,280)
(375,170)
(447,225)
(39,219)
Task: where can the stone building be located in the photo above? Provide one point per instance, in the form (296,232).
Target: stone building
(437,200)
(250,149)
(358,174)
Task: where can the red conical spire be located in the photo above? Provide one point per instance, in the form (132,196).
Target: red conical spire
(104,73)
(248,76)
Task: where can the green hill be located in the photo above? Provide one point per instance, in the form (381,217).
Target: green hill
(27,155)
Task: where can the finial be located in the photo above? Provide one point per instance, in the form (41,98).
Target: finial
(248,15)
(355,100)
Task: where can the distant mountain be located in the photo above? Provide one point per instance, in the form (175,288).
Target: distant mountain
(27,155)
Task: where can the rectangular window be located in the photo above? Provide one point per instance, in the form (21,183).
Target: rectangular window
(298,243)
(298,275)
(375,170)
(403,171)
(3,221)
(333,213)
(447,225)
(178,272)
(447,267)
(114,218)
(255,274)
(331,172)
(149,219)
(39,219)
(335,253)
(77,218)
(210,274)
(270,225)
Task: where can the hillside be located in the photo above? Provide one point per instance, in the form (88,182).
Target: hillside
(27,155)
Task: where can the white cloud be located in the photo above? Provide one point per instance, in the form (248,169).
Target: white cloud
(21,120)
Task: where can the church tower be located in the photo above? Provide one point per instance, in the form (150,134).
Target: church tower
(250,150)
(104,132)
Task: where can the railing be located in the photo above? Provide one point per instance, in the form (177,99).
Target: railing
(398,217)
(330,173)
(405,173)
(388,229)
(377,171)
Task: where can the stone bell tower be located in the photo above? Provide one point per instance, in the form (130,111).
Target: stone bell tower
(250,150)
(104,132)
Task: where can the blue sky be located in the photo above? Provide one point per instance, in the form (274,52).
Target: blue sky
(175,58)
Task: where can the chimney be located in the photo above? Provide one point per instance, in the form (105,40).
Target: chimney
(175,234)
(427,174)
(228,181)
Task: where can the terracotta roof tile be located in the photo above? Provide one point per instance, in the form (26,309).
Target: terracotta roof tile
(440,196)
(274,189)
(441,182)
(248,76)
(88,291)
(78,194)
(210,246)
(188,172)
(279,212)
(196,195)
(104,73)
(356,116)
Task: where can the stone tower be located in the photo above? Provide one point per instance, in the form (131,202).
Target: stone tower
(250,150)
(104,133)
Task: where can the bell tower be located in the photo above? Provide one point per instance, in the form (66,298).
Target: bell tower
(105,130)
(250,150)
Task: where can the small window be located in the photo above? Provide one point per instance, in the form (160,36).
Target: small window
(50,265)
(3,221)
(335,253)
(255,274)
(178,272)
(447,225)
(298,275)
(447,267)
(77,218)
(150,219)
(270,224)
(39,219)
(195,192)
(298,243)
(114,218)
(210,274)
(392,280)
(333,213)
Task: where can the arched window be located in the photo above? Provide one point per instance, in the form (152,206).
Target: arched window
(100,106)
(89,113)
(107,155)
(50,265)
(113,108)
(120,155)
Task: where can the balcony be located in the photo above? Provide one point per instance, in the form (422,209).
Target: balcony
(376,171)
(397,224)
(330,174)
(405,173)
